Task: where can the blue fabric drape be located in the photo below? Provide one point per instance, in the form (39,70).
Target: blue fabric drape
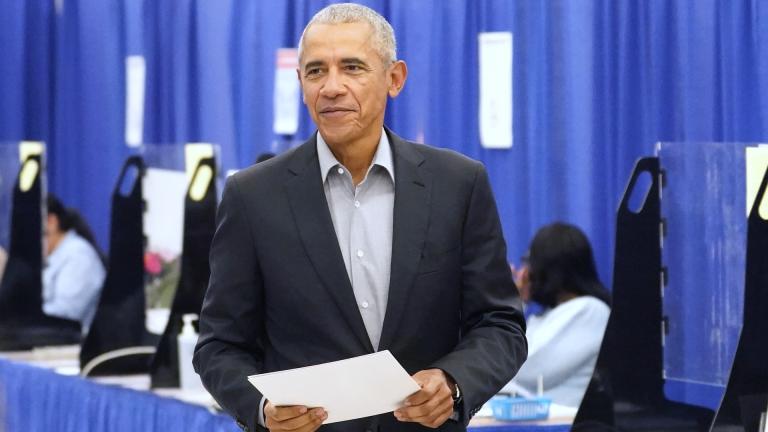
(596,84)
(33,399)
(61,81)
(37,400)
(26,62)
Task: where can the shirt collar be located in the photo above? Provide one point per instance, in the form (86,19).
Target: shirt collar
(61,250)
(382,157)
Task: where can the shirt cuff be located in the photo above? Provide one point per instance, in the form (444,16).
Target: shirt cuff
(455,416)
(260,419)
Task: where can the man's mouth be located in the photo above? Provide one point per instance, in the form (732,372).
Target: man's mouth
(335,111)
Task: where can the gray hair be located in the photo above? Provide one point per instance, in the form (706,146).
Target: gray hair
(344,13)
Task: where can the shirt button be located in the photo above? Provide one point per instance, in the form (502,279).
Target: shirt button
(360,253)
(340,170)
(364,304)
(357,203)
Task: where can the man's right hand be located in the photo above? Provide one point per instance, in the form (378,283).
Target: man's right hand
(293,418)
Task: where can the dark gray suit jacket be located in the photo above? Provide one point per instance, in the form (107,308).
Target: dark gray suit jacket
(279,296)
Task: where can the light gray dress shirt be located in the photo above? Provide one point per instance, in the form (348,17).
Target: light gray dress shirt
(72,280)
(362,218)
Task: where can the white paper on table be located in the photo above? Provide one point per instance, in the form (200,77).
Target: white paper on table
(347,389)
(495,58)
(757,162)
(557,411)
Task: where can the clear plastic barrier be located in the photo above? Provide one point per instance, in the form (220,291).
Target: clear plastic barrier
(165,184)
(703,204)
(9,170)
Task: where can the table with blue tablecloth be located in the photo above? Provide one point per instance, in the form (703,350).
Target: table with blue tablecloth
(34,399)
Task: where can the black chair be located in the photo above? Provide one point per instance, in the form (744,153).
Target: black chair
(118,342)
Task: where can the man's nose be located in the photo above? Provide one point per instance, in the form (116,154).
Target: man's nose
(334,85)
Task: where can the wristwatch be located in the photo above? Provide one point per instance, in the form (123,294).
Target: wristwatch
(456,416)
(456,393)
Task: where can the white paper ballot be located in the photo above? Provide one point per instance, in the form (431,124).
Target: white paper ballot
(347,389)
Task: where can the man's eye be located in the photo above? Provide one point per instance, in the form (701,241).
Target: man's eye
(313,71)
(353,68)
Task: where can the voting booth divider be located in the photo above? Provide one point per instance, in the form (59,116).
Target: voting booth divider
(688,288)
(22,190)
(163,218)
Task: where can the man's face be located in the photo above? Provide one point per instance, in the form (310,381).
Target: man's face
(345,83)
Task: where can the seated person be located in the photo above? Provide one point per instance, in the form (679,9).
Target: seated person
(74,269)
(564,337)
(523,284)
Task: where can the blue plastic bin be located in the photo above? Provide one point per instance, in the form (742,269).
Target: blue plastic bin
(515,408)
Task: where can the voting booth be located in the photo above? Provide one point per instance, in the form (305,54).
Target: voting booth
(117,342)
(23,324)
(684,340)
(163,218)
(198,203)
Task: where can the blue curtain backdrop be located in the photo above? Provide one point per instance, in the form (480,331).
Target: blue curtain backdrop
(596,84)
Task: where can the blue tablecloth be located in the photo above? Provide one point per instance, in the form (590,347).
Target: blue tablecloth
(39,400)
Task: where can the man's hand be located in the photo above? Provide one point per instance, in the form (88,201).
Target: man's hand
(433,404)
(293,418)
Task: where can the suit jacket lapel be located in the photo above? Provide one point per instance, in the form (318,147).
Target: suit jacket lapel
(411,216)
(315,226)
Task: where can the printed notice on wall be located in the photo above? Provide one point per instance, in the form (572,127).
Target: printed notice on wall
(286,97)
(135,77)
(495,51)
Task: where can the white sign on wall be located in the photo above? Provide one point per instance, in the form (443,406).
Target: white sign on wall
(495,52)
(286,97)
(135,77)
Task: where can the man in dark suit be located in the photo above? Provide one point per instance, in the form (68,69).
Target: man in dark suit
(359,241)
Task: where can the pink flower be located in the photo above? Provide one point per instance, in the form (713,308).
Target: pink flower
(153,264)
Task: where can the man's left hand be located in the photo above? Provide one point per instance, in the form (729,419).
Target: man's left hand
(433,404)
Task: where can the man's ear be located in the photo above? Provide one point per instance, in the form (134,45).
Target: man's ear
(398,72)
